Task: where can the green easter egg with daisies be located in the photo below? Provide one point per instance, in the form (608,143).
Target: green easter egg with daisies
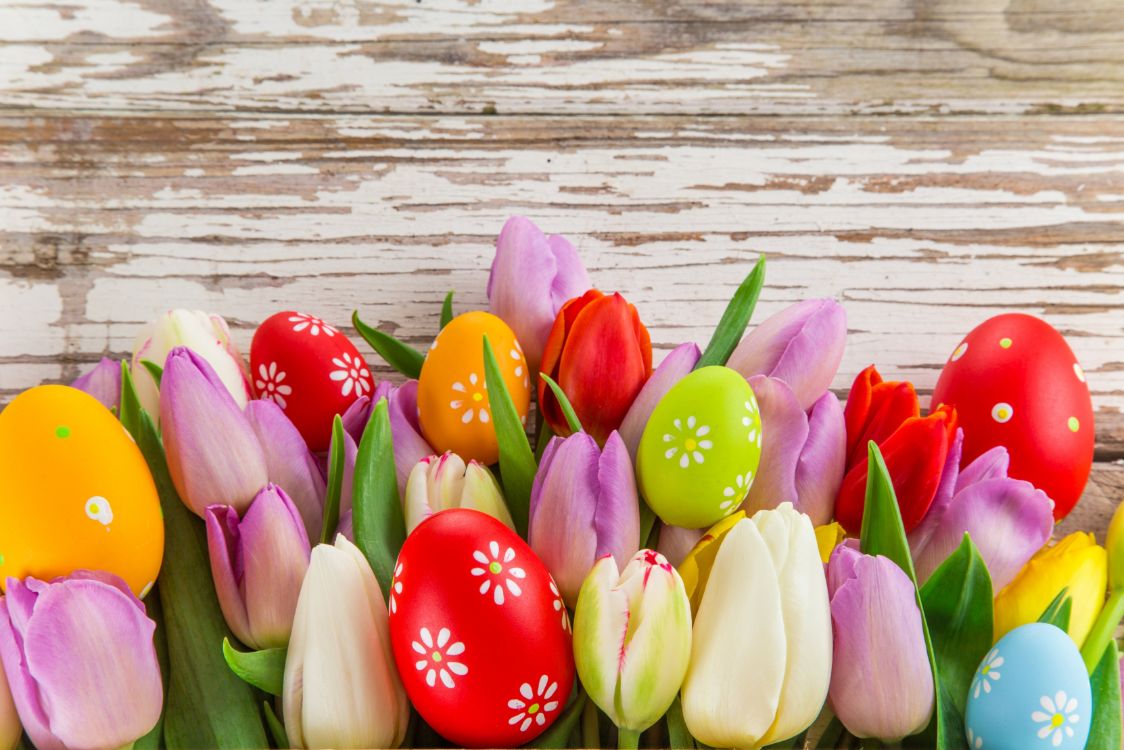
(701,447)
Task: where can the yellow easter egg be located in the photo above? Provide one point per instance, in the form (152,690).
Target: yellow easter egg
(453,406)
(75,492)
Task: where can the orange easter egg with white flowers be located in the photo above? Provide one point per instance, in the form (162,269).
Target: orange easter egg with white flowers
(75,492)
(454,410)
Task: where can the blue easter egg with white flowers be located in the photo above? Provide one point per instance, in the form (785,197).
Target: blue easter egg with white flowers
(1030,691)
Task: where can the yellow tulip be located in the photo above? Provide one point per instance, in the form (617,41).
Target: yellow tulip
(1076,562)
(828,537)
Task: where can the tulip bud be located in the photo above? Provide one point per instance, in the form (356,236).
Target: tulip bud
(402,405)
(802,461)
(801,345)
(213,454)
(761,646)
(10,728)
(206,335)
(600,354)
(288,462)
(103,382)
(1076,563)
(438,483)
(632,638)
(584,505)
(258,564)
(341,688)
(532,276)
(675,366)
(881,680)
(80,661)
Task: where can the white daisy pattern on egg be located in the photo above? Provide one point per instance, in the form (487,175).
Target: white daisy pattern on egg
(688,440)
(752,422)
(533,703)
(271,386)
(498,572)
(960,351)
(395,588)
(312,324)
(98,509)
(559,605)
(733,495)
(471,395)
(1057,717)
(436,657)
(975,742)
(987,673)
(353,373)
(521,369)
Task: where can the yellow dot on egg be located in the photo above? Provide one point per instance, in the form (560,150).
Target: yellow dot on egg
(690,444)
(1074,425)
(1005,343)
(478,397)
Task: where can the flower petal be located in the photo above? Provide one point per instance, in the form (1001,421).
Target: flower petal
(288,462)
(616,517)
(787,428)
(675,366)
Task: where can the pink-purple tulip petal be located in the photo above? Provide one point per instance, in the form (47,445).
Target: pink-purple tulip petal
(80,662)
(103,382)
(675,366)
(532,276)
(213,453)
(801,345)
(591,493)
(881,682)
(288,462)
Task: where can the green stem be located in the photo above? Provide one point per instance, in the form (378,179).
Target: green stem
(627,739)
(1103,630)
(591,732)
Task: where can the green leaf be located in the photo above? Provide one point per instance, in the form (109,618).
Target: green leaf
(206,705)
(155,737)
(564,402)
(335,483)
(831,736)
(276,728)
(558,735)
(517,463)
(735,318)
(264,669)
(155,370)
(379,525)
(679,737)
(447,309)
(398,354)
(957,601)
(1106,728)
(647,522)
(1059,610)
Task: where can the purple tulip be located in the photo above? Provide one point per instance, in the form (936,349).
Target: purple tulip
(402,402)
(103,382)
(881,682)
(1007,519)
(288,462)
(213,454)
(532,276)
(801,345)
(675,366)
(583,506)
(804,455)
(258,564)
(80,661)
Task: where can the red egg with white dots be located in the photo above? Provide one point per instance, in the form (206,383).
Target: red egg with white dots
(1015,382)
(309,369)
(479,632)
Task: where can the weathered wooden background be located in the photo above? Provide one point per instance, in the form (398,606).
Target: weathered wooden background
(929,163)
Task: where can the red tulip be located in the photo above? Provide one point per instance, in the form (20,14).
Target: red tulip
(915,448)
(599,352)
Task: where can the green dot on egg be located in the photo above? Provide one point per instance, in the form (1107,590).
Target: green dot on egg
(1,559)
(1074,425)
(62,431)
(1005,343)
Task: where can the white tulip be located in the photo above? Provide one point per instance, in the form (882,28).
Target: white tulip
(341,687)
(761,647)
(438,483)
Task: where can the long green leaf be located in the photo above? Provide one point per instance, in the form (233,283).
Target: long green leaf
(378,522)
(155,370)
(558,735)
(564,402)
(398,354)
(1106,729)
(1059,610)
(447,310)
(517,463)
(883,533)
(679,737)
(206,705)
(957,601)
(276,728)
(335,483)
(735,318)
(544,436)
(264,669)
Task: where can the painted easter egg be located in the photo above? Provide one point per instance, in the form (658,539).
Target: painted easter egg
(1015,382)
(453,406)
(309,369)
(479,632)
(700,449)
(1030,690)
(76,492)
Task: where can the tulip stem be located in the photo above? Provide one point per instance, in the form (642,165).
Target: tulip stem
(591,732)
(627,739)
(1103,630)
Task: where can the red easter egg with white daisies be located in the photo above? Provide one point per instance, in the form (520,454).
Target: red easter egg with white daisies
(309,369)
(1015,382)
(479,632)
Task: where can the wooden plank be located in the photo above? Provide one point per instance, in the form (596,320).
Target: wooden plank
(570,56)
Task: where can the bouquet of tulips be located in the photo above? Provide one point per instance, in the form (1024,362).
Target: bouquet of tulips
(533,538)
